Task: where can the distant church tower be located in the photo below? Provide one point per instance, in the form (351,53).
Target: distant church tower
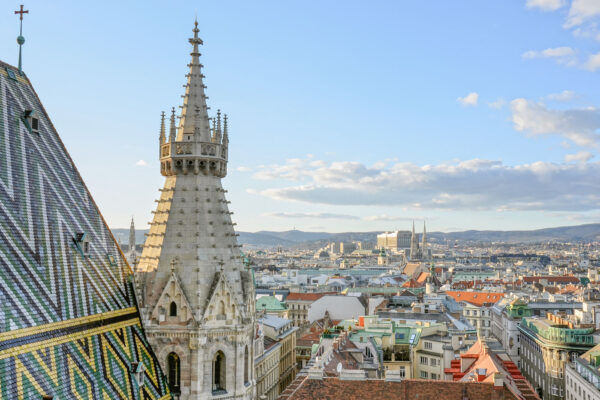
(424,251)
(418,252)
(414,244)
(197,296)
(132,254)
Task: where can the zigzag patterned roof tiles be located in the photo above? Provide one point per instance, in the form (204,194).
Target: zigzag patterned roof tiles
(69,322)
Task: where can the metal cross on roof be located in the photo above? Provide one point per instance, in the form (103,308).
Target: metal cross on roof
(21,39)
(21,12)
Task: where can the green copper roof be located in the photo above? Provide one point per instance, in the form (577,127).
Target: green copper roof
(269,303)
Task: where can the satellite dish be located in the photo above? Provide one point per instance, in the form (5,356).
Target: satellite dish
(339,367)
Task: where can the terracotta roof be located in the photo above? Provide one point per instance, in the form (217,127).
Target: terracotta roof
(412,284)
(476,298)
(306,296)
(411,268)
(551,279)
(377,389)
(480,358)
(423,277)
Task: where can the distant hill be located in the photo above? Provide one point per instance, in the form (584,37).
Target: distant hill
(577,233)
(296,238)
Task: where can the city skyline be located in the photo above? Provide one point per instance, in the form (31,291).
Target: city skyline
(331,118)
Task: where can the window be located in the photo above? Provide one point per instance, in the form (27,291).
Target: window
(434,376)
(173,369)
(424,374)
(219,372)
(432,362)
(31,121)
(423,360)
(11,74)
(173,309)
(428,345)
(402,372)
(246,365)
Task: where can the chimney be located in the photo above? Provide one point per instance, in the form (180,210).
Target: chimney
(498,381)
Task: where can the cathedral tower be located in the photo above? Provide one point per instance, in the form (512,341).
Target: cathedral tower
(424,250)
(196,295)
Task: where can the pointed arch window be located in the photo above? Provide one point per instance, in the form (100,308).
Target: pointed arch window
(246,365)
(219,372)
(173,309)
(173,372)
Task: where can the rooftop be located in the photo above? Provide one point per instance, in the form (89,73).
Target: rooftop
(378,389)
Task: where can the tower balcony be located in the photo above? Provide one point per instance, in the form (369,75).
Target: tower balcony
(186,157)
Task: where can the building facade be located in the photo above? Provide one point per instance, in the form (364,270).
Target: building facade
(506,318)
(396,240)
(196,294)
(582,377)
(547,346)
(282,331)
(267,354)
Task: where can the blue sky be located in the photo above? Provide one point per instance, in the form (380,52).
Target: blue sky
(469,114)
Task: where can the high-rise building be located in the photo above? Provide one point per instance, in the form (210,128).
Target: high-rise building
(396,240)
(69,325)
(196,293)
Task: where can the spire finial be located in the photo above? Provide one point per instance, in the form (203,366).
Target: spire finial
(194,95)
(20,38)
(162,128)
(225,130)
(172,130)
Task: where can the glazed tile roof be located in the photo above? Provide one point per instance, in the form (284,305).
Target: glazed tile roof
(69,323)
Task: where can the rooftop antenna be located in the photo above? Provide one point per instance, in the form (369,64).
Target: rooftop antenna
(20,38)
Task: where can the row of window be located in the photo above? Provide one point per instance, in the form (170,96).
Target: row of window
(475,313)
(426,375)
(576,391)
(428,361)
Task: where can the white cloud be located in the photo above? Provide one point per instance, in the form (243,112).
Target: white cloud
(499,103)
(565,95)
(582,11)
(581,156)
(578,125)
(463,185)
(391,218)
(311,215)
(562,55)
(243,169)
(469,100)
(593,62)
(556,52)
(545,5)
(141,163)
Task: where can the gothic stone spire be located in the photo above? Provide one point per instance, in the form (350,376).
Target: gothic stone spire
(194,99)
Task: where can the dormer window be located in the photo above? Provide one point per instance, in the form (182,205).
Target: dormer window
(11,74)
(31,121)
(82,244)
